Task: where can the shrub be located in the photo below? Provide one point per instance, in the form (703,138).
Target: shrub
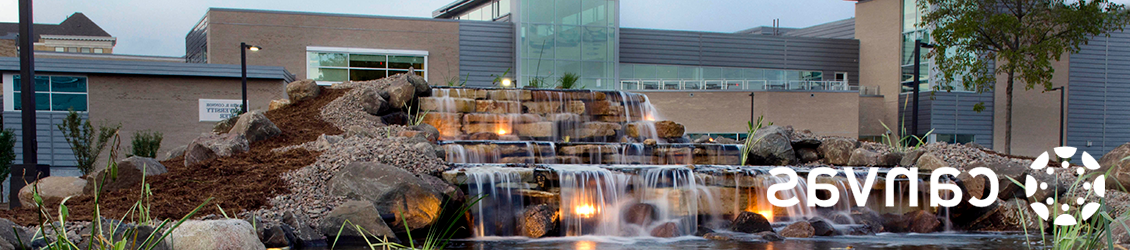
(569,81)
(145,143)
(86,143)
(7,153)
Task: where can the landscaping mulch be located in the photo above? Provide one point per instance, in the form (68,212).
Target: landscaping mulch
(242,182)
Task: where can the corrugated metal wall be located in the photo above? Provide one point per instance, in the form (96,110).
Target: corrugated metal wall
(1098,99)
(740,50)
(53,148)
(952,113)
(196,43)
(485,48)
(842,29)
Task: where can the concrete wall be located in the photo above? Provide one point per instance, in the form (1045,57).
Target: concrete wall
(285,35)
(878,26)
(826,113)
(169,105)
(870,113)
(1035,114)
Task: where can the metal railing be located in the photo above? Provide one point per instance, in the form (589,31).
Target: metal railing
(754,85)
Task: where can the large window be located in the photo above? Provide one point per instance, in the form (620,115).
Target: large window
(487,12)
(361,64)
(54,93)
(672,77)
(577,37)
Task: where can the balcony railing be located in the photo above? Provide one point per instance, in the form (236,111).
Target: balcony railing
(751,85)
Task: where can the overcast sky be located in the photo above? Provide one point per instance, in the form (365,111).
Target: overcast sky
(158,27)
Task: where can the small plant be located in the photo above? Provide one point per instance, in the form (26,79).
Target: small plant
(749,141)
(436,239)
(569,81)
(86,143)
(903,144)
(145,143)
(499,78)
(537,82)
(416,115)
(455,81)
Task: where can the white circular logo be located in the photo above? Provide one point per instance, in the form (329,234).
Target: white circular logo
(1042,208)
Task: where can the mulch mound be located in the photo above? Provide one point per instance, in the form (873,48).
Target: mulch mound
(241,182)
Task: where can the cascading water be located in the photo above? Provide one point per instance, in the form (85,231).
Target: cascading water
(498,211)
(590,199)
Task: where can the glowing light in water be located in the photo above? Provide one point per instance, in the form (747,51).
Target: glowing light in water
(649,117)
(502,131)
(585,211)
(586,245)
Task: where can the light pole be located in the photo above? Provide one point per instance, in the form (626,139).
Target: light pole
(918,45)
(1062,93)
(243,48)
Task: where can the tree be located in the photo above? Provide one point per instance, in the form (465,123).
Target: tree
(1022,38)
(86,143)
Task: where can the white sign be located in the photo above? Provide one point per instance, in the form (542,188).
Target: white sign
(214,110)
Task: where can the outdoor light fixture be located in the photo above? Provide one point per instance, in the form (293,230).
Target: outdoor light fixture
(1062,93)
(243,48)
(505,82)
(918,45)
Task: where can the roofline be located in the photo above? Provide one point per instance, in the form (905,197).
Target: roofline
(148,68)
(118,56)
(328,14)
(459,5)
(85,38)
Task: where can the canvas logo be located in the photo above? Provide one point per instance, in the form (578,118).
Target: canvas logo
(1096,187)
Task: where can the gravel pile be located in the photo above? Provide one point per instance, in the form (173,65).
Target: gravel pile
(346,111)
(310,191)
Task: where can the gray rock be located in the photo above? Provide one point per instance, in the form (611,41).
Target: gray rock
(326,142)
(800,229)
(930,162)
(130,172)
(400,93)
(741,237)
(863,157)
(538,221)
(772,147)
(770,236)
(890,159)
(360,213)
(176,152)
(431,132)
(640,214)
(305,232)
(921,221)
(255,127)
(822,227)
(391,190)
(215,234)
(1119,176)
(14,234)
(667,230)
(373,102)
(1005,216)
(421,85)
(207,148)
(807,143)
(53,189)
(750,222)
(302,90)
(279,236)
(911,157)
(837,151)
(807,155)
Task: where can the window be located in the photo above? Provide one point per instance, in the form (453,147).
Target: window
(85,50)
(54,93)
(954,138)
(99,51)
(72,49)
(362,64)
(841,76)
(60,49)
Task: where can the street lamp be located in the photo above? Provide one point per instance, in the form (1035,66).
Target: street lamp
(1062,93)
(243,48)
(918,45)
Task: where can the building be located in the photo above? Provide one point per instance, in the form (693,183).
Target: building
(76,34)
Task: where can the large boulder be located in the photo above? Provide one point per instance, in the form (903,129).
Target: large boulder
(750,222)
(176,152)
(400,93)
(255,127)
(771,147)
(52,189)
(1119,176)
(278,235)
(538,221)
(821,227)
(837,151)
(1006,216)
(921,221)
(640,214)
(806,155)
(359,213)
(130,173)
(669,129)
(304,230)
(421,85)
(911,157)
(800,229)
(14,234)
(278,104)
(215,234)
(210,147)
(302,90)
(391,190)
(930,162)
(864,157)
(373,101)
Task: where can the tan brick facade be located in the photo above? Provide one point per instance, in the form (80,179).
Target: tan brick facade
(285,36)
(827,113)
(878,27)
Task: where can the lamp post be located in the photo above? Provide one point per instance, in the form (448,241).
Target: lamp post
(1062,93)
(918,45)
(243,48)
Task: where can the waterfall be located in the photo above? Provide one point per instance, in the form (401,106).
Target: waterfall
(501,206)
(591,198)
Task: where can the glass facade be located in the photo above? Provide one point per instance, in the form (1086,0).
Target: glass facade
(568,36)
(54,93)
(487,12)
(674,77)
(340,66)
(911,32)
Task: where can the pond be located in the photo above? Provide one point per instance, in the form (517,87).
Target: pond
(910,241)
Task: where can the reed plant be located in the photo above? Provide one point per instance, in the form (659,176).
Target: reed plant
(749,141)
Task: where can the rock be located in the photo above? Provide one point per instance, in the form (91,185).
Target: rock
(800,229)
(279,236)
(807,155)
(1118,230)
(911,157)
(359,213)
(929,162)
(373,101)
(650,142)
(921,221)
(868,217)
(726,140)
(863,157)
(894,223)
(536,129)
(807,143)
(302,90)
(421,85)
(771,147)
(483,136)
(640,214)
(750,222)
(702,231)
(770,236)
(326,142)
(429,130)
(1005,216)
(14,234)
(176,152)
(447,104)
(667,230)
(598,129)
(215,234)
(129,174)
(575,107)
(225,125)
(890,159)
(400,93)
(53,189)
(255,127)
(669,129)
(207,148)
(278,104)
(305,232)
(822,228)
(451,192)
(538,221)
(1119,168)
(837,151)
(391,190)
(396,118)
(727,236)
